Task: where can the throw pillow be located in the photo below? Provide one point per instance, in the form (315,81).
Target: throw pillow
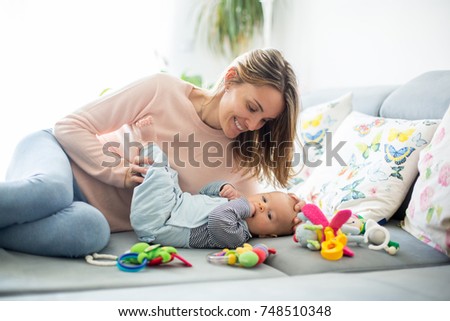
(428,213)
(371,168)
(313,125)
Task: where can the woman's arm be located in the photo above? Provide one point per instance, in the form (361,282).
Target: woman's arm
(77,132)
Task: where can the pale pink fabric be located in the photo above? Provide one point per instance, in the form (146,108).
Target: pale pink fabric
(164,97)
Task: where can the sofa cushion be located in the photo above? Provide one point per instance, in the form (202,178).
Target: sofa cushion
(366,100)
(23,273)
(293,259)
(426,96)
(313,124)
(377,165)
(428,213)
(391,285)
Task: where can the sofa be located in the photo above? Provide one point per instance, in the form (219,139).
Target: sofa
(416,272)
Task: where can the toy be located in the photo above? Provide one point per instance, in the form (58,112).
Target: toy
(379,237)
(358,230)
(101,259)
(322,234)
(245,256)
(354,229)
(333,246)
(142,254)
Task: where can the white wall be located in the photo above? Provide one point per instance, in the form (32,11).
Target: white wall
(58,55)
(334,43)
(362,42)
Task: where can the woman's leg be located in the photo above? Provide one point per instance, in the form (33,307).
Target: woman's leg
(39,181)
(77,230)
(37,213)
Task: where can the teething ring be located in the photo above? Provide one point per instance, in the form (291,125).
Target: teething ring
(129,267)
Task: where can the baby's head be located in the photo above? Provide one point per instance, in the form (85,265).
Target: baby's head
(272,214)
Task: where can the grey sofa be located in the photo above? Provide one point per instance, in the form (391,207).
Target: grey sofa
(416,272)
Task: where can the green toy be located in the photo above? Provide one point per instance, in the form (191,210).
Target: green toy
(143,254)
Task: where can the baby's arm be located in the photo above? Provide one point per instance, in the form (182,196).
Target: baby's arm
(229,192)
(222,189)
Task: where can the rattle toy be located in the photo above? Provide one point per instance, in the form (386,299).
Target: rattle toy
(359,230)
(142,255)
(245,256)
(379,237)
(322,234)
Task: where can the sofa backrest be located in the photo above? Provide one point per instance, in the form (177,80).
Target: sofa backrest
(367,100)
(424,97)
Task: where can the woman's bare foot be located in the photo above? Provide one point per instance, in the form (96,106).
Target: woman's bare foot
(144,130)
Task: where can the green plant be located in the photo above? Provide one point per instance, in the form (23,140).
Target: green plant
(230,25)
(196,80)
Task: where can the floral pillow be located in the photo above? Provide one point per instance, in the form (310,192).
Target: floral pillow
(370,167)
(314,123)
(428,213)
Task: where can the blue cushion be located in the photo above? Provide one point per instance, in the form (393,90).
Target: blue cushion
(424,97)
(366,100)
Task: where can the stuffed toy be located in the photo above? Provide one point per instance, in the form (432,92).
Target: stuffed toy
(354,229)
(317,233)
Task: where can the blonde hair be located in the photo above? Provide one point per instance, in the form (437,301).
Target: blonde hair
(267,153)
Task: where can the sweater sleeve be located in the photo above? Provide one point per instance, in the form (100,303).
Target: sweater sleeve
(78,132)
(226,227)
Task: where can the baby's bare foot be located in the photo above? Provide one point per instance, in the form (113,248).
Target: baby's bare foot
(145,130)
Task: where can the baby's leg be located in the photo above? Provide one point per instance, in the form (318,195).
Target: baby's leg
(153,202)
(144,130)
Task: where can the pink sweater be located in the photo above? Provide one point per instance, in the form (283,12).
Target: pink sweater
(84,133)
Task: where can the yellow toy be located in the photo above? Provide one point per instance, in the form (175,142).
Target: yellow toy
(333,246)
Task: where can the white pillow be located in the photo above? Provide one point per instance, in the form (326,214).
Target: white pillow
(428,213)
(377,166)
(314,122)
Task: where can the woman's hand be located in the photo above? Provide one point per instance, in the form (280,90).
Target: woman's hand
(136,172)
(229,192)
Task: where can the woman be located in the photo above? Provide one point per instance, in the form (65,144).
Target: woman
(66,191)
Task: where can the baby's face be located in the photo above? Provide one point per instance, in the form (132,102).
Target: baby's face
(272,214)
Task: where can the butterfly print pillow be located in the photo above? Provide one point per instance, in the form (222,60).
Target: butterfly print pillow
(378,165)
(313,126)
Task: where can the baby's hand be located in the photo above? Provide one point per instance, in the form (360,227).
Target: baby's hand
(229,192)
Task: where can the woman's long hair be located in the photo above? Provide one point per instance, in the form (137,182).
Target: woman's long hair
(267,153)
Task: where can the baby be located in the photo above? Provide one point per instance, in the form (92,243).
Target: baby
(217,217)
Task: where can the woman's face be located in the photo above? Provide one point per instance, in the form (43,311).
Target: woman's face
(245,107)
